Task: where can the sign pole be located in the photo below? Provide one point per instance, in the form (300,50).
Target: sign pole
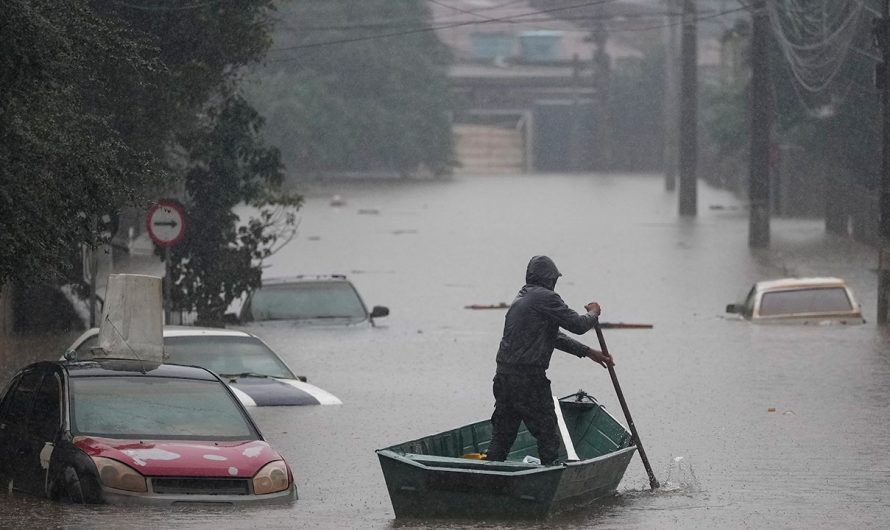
(166,225)
(168,288)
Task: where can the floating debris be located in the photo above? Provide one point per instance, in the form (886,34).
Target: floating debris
(501,305)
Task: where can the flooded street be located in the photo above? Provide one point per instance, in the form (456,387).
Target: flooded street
(746,426)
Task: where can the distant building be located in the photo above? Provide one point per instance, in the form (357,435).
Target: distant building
(534,101)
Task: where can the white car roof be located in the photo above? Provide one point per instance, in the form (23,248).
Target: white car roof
(797,283)
(192,331)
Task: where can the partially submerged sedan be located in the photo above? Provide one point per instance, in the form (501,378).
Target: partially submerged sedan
(126,431)
(256,374)
(822,300)
(323,300)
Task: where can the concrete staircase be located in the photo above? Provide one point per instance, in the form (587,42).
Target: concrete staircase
(488,149)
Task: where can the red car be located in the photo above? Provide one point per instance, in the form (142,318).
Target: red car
(125,431)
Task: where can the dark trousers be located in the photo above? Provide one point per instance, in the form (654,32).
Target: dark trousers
(518,398)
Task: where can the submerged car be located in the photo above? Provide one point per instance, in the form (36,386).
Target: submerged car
(325,300)
(801,300)
(257,375)
(126,431)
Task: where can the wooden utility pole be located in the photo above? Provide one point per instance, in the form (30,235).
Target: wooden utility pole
(688,111)
(602,73)
(670,96)
(760,128)
(882,29)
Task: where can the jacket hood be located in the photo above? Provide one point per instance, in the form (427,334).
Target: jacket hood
(541,271)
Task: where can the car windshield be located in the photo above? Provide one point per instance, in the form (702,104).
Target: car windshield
(228,355)
(156,407)
(305,300)
(797,301)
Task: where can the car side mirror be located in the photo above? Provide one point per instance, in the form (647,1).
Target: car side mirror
(230,318)
(733,308)
(379,311)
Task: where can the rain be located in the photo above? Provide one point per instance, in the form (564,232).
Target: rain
(745,424)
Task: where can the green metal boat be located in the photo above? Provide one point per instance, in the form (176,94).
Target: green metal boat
(443,475)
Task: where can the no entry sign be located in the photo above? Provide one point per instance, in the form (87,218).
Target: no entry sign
(166,222)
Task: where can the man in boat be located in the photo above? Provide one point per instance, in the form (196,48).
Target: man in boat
(531,332)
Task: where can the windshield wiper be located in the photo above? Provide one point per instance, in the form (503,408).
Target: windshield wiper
(243,374)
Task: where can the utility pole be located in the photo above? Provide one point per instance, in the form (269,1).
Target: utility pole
(882,34)
(761,125)
(670,97)
(602,73)
(688,111)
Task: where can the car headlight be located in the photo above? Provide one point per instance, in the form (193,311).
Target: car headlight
(272,478)
(119,476)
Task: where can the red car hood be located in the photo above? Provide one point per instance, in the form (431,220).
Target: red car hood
(183,458)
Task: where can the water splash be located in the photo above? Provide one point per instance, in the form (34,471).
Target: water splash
(680,476)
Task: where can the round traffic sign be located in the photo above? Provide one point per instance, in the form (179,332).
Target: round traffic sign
(166,222)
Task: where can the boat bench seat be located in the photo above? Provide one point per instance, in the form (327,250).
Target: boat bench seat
(465,463)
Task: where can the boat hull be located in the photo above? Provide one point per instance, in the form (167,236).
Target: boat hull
(442,475)
(421,491)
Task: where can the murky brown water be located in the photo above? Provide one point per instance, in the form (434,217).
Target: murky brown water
(700,386)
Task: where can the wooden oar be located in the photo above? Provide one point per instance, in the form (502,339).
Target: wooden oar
(653,482)
(624,325)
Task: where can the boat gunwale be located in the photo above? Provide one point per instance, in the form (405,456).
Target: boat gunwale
(479,466)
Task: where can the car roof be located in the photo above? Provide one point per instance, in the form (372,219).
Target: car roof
(196,331)
(305,278)
(797,283)
(131,367)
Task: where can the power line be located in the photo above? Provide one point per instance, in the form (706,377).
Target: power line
(501,19)
(427,29)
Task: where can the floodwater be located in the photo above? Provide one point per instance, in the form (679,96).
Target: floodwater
(746,426)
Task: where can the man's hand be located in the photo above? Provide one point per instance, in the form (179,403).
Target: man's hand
(600,358)
(594,308)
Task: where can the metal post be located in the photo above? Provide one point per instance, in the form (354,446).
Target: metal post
(168,288)
(93,264)
(688,112)
(884,224)
(761,125)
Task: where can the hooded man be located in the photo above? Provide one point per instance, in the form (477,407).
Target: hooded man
(531,331)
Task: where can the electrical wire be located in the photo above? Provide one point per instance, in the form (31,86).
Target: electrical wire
(427,29)
(816,38)
(500,19)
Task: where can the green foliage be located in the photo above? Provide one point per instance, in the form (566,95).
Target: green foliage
(845,138)
(108,103)
(726,118)
(343,99)
(62,161)
(219,258)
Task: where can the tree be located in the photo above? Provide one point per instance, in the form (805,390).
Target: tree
(843,136)
(340,97)
(63,164)
(109,104)
(210,139)
(219,256)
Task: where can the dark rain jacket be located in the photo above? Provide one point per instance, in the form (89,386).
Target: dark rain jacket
(531,327)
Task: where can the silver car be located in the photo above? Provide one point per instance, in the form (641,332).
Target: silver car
(256,374)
